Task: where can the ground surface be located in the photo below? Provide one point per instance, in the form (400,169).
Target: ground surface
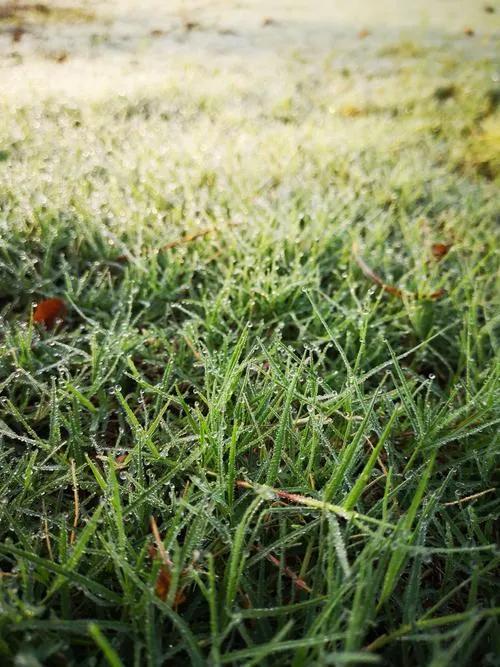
(216,191)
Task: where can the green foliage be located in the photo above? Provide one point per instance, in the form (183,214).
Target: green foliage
(319,455)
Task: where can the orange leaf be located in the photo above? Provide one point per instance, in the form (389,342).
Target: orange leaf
(179,598)
(438,294)
(120,460)
(48,311)
(440,250)
(163,582)
(162,586)
(164,579)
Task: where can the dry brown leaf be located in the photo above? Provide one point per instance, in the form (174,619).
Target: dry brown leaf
(17,33)
(440,250)
(61,57)
(49,311)
(120,460)
(164,579)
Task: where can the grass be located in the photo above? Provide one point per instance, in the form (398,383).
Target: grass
(37,12)
(237,448)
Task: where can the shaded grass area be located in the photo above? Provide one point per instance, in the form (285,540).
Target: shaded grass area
(318,455)
(39,12)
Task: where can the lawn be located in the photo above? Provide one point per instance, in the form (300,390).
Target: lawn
(260,425)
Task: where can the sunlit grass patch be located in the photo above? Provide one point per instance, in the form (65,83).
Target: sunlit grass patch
(403,49)
(481,151)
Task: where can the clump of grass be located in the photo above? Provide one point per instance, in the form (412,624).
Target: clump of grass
(446,92)
(405,48)
(481,152)
(39,12)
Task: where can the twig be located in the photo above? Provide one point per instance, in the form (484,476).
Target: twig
(379,460)
(473,497)
(312,502)
(391,289)
(159,542)
(195,352)
(197,235)
(77,502)
(299,583)
(188,239)
(183,240)
(369,273)
(46,532)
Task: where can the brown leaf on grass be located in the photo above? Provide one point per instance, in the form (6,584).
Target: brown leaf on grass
(364,33)
(434,296)
(469,32)
(164,579)
(17,33)
(49,311)
(162,586)
(120,460)
(189,23)
(60,57)
(440,250)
